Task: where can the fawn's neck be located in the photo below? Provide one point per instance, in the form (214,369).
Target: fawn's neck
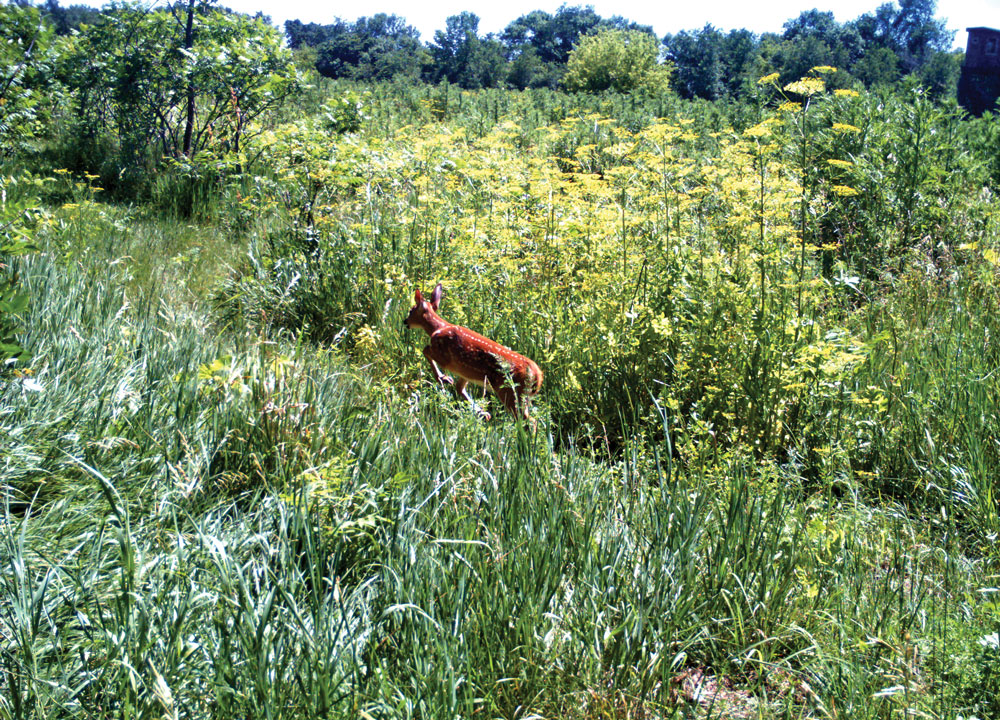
(432,322)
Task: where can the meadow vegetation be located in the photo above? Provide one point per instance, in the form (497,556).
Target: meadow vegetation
(764,478)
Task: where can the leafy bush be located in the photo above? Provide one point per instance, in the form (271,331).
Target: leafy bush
(19,212)
(620,60)
(26,58)
(164,88)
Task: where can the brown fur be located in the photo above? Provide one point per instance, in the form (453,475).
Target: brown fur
(474,358)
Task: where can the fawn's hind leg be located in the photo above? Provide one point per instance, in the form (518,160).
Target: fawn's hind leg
(518,406)
(462,386)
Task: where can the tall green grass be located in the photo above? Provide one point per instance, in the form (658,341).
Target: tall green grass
(202,527)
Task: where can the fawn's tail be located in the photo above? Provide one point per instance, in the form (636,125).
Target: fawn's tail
(535,385)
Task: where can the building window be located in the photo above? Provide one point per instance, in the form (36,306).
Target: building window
(991,46)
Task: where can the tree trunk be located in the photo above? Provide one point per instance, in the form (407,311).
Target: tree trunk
(188,44)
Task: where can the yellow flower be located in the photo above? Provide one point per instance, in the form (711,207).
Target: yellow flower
(824,69)
(806,86)
(844,191)
(839,163)
(845,128)
(367,339)
(768,79)
(759,130)
(840,92)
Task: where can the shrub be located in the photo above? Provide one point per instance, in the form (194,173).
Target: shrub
(619,60)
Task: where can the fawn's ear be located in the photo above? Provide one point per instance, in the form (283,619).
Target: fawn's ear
(418,298)
(436,296)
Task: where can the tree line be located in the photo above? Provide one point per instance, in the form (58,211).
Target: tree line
(898,40)
(880,48)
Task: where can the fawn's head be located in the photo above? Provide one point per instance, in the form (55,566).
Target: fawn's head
(422,309)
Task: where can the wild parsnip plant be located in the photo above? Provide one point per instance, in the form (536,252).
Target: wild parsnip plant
(763,483)
(16,216)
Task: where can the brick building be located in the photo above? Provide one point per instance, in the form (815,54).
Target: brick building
(979,84)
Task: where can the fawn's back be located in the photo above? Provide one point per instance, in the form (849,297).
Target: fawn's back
(479,360)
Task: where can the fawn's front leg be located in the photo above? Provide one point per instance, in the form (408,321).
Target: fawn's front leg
(442,379)
(461,385)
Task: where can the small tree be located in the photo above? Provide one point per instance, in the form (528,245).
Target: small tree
(528,70)
(879,66)
(460,56)
(381,47)
(622,60)
(941,72)
(24,57)
(697,62)
(173,83)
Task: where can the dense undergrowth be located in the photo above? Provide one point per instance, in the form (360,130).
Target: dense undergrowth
(764,479)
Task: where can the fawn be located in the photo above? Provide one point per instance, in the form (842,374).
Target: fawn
(476,359)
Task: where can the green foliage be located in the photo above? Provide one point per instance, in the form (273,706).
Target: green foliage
(528,70)
(539,44)
(710,65)
(619,60)
(533,51)
(382,47)
(767,451)
(162,91)
(941,72)
(19,213)
(25,59)
(304,539)
(551,37)
(909,29)
(878,67)
(697,59)
(66,19)
(875,49)
(816,39)
(461,57)
(915,172)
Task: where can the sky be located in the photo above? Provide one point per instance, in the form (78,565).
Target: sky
(665,17)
